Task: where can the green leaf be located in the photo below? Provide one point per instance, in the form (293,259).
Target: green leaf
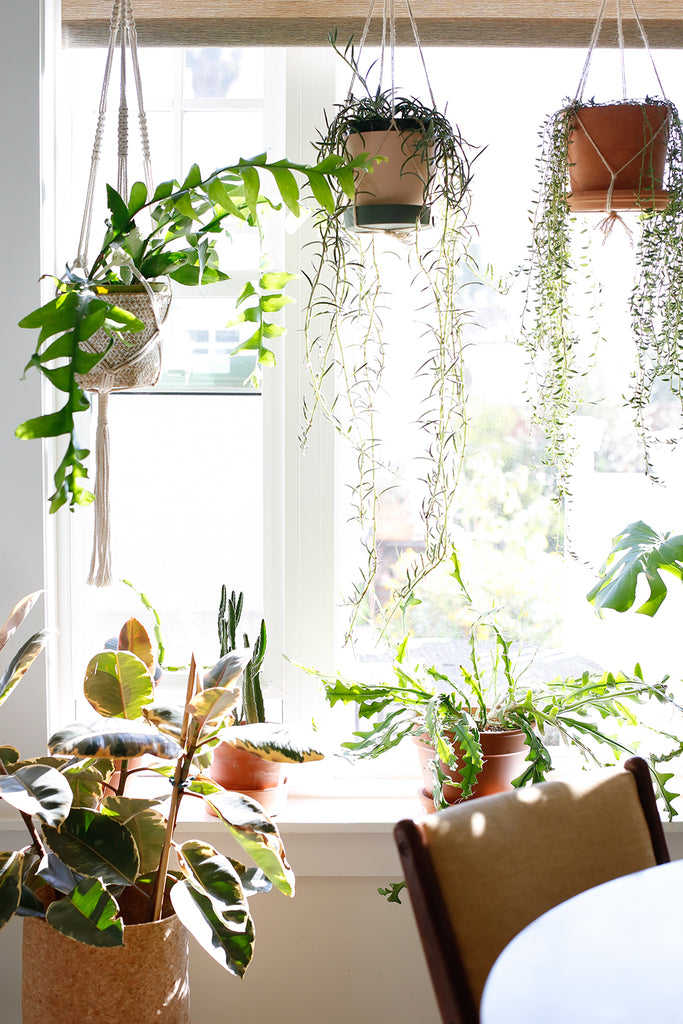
(288,189)
(55,316)
(274,742)
(164,190)
(88,914)
(273,280)
(120,218)
(95,845)
(232,950)
(10,885)
(39,791)
(138,197)
(118,684)
(114,740)
(20,663)
(194,177)
(52,424)
(644,552)
(252,185)
(321,190)
(216,876)
(273,303)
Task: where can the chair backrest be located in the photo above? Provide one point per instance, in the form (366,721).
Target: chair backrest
(480,871)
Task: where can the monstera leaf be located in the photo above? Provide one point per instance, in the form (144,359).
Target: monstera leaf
(274,742)
(113,740)
(637,551)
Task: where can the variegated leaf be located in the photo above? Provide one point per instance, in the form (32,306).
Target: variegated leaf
(147,827)
(117,741)
(232,950)
(10,884)
(95,845)
(135,638)
(226,671)
(9,756)
(39,791)
(88,914)
(21,663)
(214,874)
(211,706)
(166,719)
(274,742)
(16,617)
(256,833)
(118,684)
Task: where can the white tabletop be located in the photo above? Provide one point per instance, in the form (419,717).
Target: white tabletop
(611,955)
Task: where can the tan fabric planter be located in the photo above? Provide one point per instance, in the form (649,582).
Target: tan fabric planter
(137,361)
(145,981)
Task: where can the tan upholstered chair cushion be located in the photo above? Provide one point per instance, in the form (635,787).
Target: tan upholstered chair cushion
(502,861)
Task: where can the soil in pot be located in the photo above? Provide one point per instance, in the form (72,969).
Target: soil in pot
(247,773)
(504,753)
(628,140)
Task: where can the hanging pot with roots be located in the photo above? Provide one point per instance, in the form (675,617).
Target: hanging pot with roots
(393,195)
(616,154)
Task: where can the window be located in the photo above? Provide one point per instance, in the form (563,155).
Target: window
(208,481)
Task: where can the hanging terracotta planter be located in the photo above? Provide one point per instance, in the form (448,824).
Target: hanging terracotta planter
(392,196)
(247,773)
(626,141)
(135,362)
(504,753)
(145,980)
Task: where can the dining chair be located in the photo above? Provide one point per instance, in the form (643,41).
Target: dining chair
(480,871)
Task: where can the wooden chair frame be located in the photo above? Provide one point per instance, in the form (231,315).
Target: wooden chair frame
(449,978)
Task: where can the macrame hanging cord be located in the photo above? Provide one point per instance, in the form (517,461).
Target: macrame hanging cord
(136,363)
(612,215)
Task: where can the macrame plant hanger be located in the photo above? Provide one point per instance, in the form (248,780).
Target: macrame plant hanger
(137,362)
(611,214)
(388,29)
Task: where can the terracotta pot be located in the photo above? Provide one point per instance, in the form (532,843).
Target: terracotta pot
(504,753)
(247,773)
(632,138)
(145,980)
(393,195)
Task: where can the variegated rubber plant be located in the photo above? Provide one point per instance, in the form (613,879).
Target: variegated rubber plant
(91,839)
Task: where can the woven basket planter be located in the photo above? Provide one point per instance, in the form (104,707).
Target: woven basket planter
(145,981)
(136,361)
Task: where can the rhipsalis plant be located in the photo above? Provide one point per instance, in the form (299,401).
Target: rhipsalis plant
(349,353)
(187,219)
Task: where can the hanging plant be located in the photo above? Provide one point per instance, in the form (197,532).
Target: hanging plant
(347,352)
(624,157)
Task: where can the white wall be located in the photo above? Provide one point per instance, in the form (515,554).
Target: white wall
(337,952)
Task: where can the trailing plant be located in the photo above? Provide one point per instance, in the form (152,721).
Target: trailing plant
(347,350)
(92,843)
(560,279)
(187,219)
(491,693)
